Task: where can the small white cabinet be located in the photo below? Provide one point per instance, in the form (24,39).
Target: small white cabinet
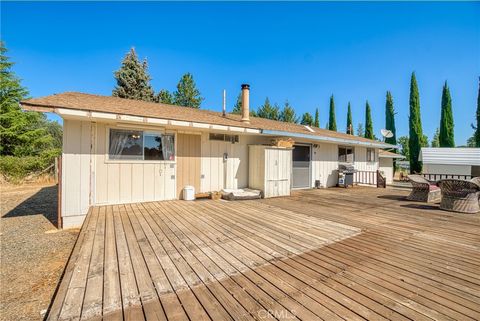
(270,170)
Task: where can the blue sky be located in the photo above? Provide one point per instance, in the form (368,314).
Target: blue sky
(303,52)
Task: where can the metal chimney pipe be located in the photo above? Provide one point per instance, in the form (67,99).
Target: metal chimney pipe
(246,103)
(224,110)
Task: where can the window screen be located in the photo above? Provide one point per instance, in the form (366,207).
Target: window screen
(346,154)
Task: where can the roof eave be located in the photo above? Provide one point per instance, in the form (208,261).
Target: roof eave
(327,139)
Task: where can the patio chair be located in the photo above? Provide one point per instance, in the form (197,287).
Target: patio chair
(459,195)
(423,190)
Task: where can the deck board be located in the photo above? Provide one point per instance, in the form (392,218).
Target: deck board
(334,254)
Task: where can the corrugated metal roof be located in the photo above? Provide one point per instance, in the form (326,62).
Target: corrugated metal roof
(450,156)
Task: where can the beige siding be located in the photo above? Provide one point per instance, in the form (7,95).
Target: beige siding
(216,173)
(75,171)
(122,182)
(325,164)
(386,166)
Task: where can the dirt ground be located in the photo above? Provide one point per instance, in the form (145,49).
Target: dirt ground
(33,252)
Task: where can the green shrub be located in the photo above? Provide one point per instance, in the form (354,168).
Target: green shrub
(16,168)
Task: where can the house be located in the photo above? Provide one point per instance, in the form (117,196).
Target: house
(121,151)
(386,163)
(456,162)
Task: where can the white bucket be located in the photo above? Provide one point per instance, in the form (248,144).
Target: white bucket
(189,193)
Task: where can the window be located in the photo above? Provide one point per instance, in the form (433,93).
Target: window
(346,154)
(370,155)
(139,145)
(224,137)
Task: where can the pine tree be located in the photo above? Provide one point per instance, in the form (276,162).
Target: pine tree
(368,122)
(416,137)
(132,78)
(23,133)
(164,97)
(307,119)
(477,128)
(268,111)
(436,138)
(288,114)
(390,120)
(446,137)
(349,120)
(332,123)
(237,108)
(317,118)
(187,94)
(360,130)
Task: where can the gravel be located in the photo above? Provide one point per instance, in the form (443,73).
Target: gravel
(33,252)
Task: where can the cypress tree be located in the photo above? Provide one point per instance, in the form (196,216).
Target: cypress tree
(132,78)
(288,114)
(436,138)
(349,120)
(390,120)
(368,122)
(307,119)
(332,122)
(446,136)
(477,128)
(187,94)
(416,137)
(317,118)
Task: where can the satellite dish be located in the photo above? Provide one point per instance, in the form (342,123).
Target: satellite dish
(386,133)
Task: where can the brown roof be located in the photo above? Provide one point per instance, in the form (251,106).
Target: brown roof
(387,154)
(108,104)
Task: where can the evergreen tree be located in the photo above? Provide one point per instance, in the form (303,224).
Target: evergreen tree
(237,108)
(307,119)
(477,128)
(332,123)
(390,120)
(288,114)
(403,141)
(416,137)
(132,78)
(23,133)
(360,130)
(187,94)
(446,137)
(317,118)
(349,120)
(268,111)
(368,122)
(436,138)
(164,97)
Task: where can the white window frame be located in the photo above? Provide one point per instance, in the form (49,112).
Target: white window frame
(135,161)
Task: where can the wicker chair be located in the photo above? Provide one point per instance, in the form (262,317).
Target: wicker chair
(423,190)
(459,195)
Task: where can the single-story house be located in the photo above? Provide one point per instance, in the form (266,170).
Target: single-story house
(121,151)
(385,165)
(443,161)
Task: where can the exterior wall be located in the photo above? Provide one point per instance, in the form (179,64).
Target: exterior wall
(126,182)
(325,163)
(386,166)
(76,162)
(233,173)
(447,169)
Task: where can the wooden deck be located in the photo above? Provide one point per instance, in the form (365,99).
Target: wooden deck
(332,254)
